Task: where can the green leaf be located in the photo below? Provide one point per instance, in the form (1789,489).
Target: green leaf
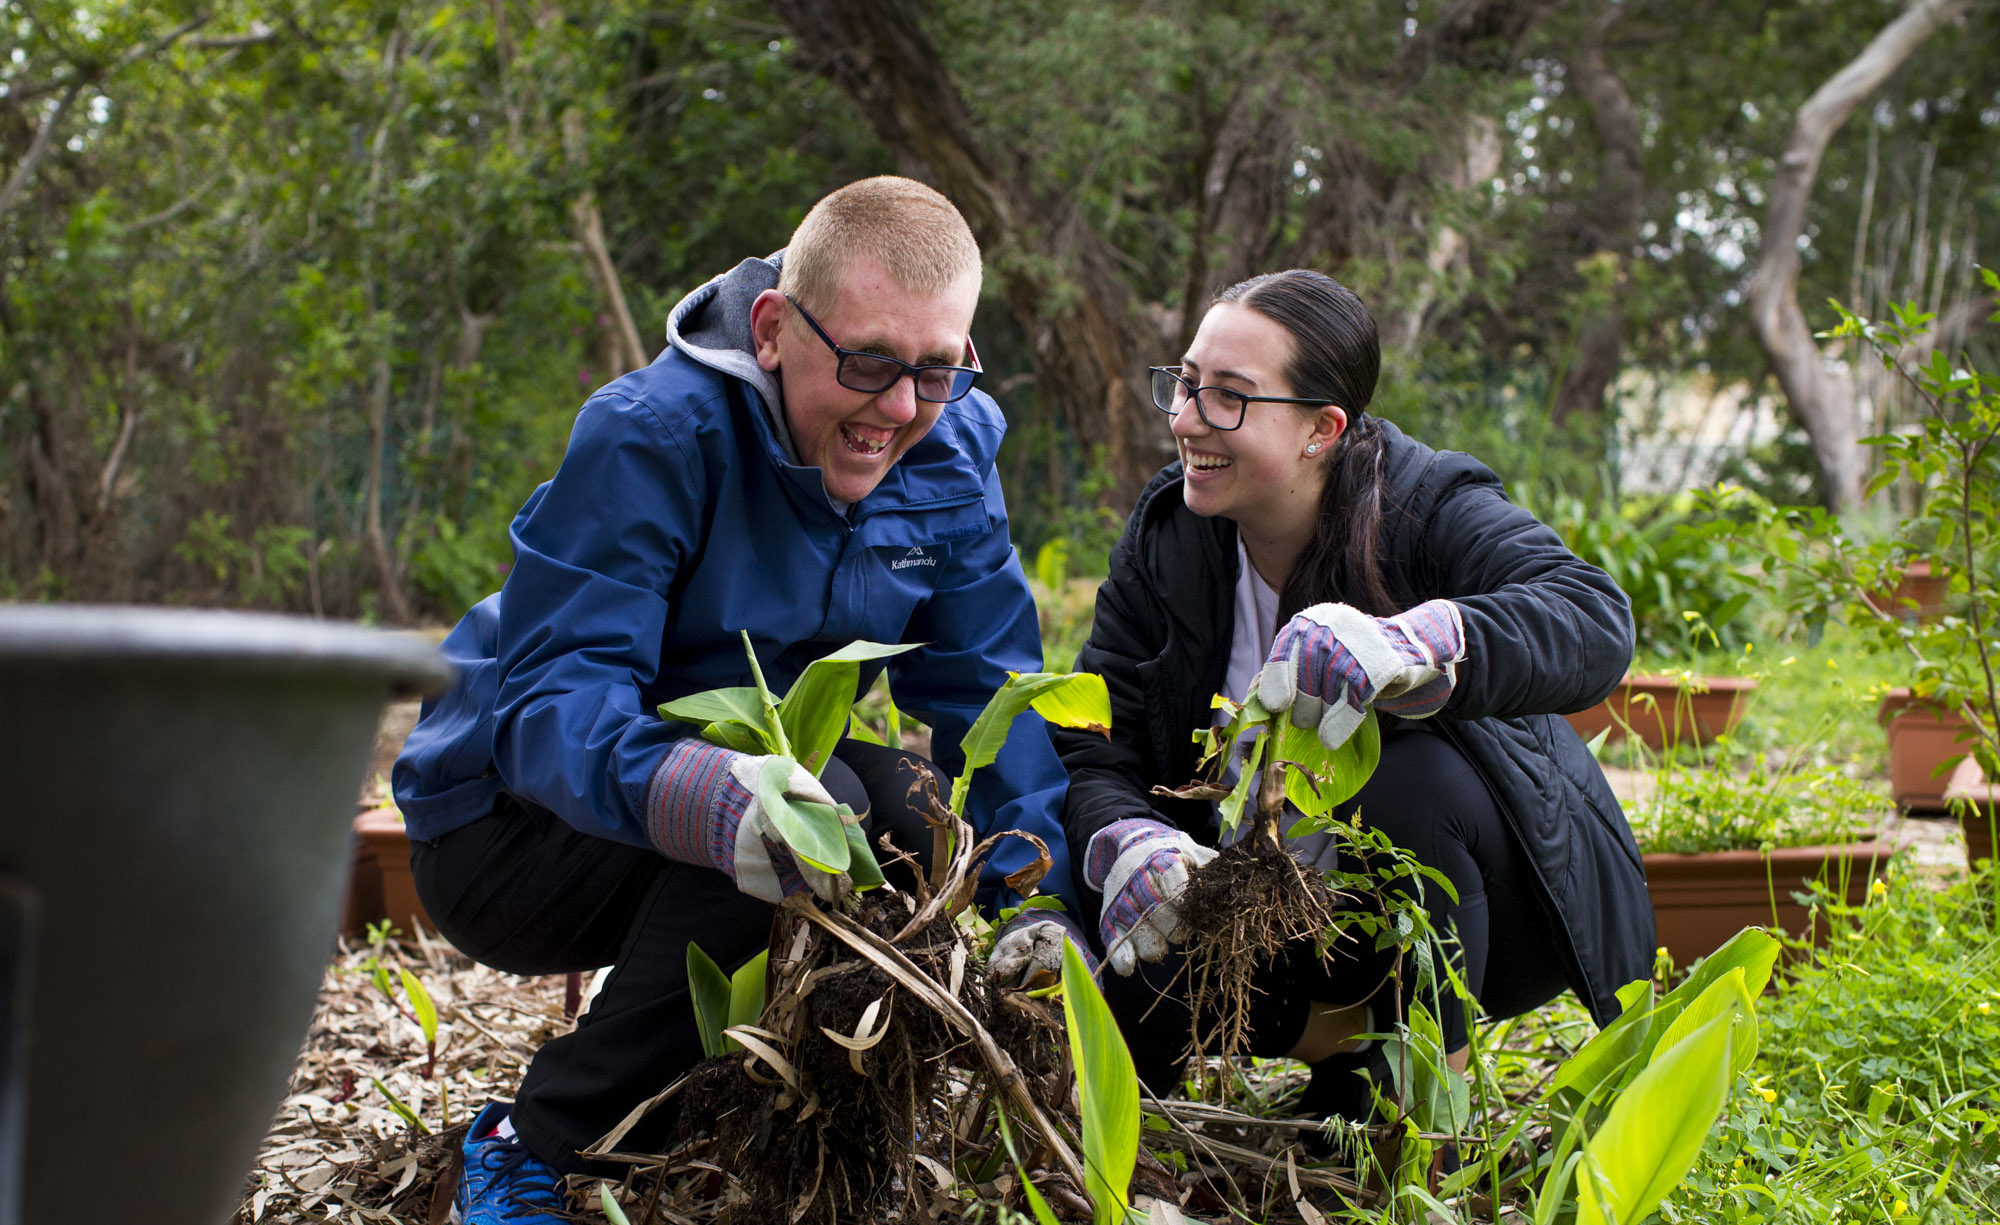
(1067,699)
(1231,807)
(1039,1206)
(716,706)
(740,736)
(768,721)
(1108,1089)
(1727,997)
(1656,1128)
(1627,1044)
(612,1212)
(746,991)
(403,1112)
(862,866)
(709,988)
(420,1003)
(1341,772)
(857,730)
(812,830)
(816,710)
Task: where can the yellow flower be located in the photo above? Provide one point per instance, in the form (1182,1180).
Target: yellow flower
(1982,1008)
(1898,1208)
(1880,888)
(1833,663)
(1661,951)
(1769,1095)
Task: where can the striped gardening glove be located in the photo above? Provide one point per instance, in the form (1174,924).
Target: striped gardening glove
(1140,867)
(702,808)
(1331,662)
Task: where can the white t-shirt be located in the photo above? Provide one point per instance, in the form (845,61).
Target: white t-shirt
(1256,628)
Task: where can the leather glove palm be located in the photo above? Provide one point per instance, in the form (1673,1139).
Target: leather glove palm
(1028,953)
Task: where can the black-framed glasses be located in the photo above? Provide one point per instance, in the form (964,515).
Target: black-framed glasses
(1218,407)
(875,373)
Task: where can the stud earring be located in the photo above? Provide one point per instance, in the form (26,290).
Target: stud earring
(1312,448)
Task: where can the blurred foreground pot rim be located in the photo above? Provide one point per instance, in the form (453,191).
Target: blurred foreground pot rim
(215,640)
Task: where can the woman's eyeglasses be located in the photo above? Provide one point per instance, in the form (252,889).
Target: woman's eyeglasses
(875,373)
(1218,407)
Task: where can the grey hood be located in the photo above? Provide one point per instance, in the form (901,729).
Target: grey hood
(712,325)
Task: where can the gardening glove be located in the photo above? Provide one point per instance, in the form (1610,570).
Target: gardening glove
(702,808)
(1140,867)
(1028,954)
(1331,662)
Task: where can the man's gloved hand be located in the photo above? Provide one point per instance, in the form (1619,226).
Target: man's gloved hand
(702,808)
(1141,867)
(1028,954)
(1331,662)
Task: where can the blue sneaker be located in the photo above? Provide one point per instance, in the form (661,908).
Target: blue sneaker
(503,1181)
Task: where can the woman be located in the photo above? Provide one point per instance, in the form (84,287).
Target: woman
(1312,551)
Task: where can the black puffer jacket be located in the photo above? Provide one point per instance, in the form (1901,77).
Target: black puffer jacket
(1545,633)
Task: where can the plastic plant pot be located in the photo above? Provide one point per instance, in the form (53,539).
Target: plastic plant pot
(1656,710)
(1700,901)
(1978,804)
(1923,735)
(180,787)
(381,831)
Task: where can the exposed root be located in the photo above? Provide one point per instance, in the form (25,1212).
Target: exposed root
(1238,915)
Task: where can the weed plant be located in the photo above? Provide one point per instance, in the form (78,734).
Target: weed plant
(1749,799)
(1876,1094)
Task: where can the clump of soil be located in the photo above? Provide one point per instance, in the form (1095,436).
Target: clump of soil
(1238,914)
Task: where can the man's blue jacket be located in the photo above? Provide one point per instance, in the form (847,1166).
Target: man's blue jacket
(677,520)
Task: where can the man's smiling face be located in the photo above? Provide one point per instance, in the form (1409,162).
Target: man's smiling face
(853,437)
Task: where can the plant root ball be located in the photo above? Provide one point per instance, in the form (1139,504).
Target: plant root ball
(1237,915)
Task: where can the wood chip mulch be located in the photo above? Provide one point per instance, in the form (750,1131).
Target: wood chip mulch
(338,1148)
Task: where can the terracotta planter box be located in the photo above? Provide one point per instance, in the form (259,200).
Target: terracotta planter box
(380,836)
(1919,593)
(1981,811)
(1700,717)
(1700,901)
(1923,735)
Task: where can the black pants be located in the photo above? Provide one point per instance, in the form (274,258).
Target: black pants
(1429,800)
(524,892)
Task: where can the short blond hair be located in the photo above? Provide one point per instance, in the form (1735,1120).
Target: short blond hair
(912,231)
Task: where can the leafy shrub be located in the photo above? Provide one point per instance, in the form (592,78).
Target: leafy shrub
(1652,550)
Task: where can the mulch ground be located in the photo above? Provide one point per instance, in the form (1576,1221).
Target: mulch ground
(339,1148)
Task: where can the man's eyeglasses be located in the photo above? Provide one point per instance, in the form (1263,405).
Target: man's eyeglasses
(875,373)
(1218,407)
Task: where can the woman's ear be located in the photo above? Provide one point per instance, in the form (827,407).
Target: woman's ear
(1328,425)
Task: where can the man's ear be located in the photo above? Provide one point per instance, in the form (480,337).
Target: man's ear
(767,319)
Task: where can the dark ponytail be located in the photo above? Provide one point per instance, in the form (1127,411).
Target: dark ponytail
(1336,356)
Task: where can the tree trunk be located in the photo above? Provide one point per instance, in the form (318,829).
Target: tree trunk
(1822,400)
(1600,336)
(1091,343)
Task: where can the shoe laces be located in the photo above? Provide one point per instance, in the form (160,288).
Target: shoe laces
(523,1184)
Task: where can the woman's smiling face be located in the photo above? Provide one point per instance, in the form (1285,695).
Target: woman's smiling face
(1255,473)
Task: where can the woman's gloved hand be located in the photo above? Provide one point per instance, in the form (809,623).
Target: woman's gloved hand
(702,808)
(1141,867)
(1027,956)
(1331,662)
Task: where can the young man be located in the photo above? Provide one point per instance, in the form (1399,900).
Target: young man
(807,461)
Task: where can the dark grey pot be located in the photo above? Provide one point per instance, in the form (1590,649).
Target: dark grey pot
(176,789)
